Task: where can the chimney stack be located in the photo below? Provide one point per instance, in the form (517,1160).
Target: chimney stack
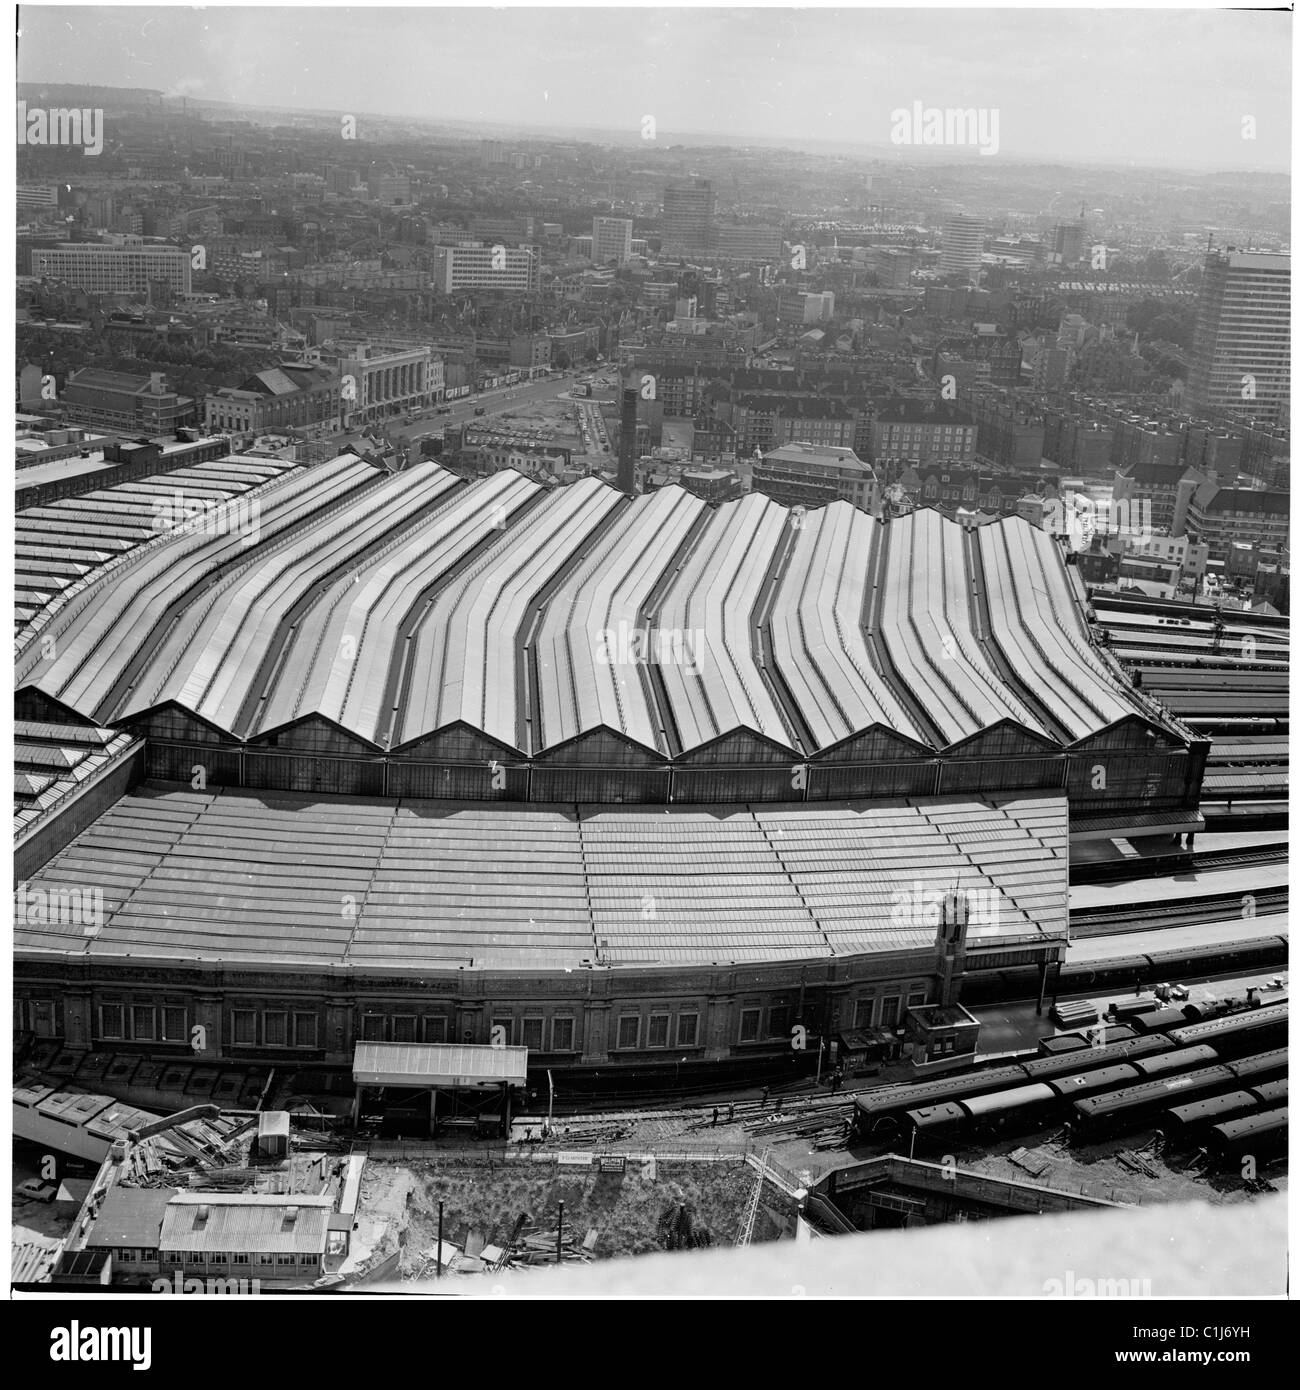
(627,444)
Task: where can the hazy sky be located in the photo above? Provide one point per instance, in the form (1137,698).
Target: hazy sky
(1104,85)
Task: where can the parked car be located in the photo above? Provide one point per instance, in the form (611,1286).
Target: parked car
(480,410)
(443,410)
(34,1190)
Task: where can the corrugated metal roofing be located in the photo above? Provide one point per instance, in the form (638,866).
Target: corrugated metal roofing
(1040,631)
(229,874)
(594,643)
(348,647)
(710,607)
(360,636)
(95,641)
(468,638)
(816,629)
(252,1227)
(394,1064)
(925,622)
(84,531)
(210,664)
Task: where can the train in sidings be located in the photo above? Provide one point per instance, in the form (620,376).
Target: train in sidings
(1042,1101)
(1263,1134)
(1136,1105)
(881,1114)
(1123,972)
(1051,1083)
(1191,1120)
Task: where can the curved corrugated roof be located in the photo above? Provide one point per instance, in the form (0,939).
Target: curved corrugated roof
(925,623)
(465,657)
(252,632)
(97,636)
(209,664)
(348,646)
(593,643)
(816,629)
(1037,628)
(708,612)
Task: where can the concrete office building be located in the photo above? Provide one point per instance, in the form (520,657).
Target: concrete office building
(688,217)
(1241,354)
(963,245)
(748,243)
(514,270)
(113,269)
(611,239)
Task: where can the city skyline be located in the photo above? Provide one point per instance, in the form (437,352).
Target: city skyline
(828,77)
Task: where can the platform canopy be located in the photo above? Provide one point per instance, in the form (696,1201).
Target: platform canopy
(438,1065)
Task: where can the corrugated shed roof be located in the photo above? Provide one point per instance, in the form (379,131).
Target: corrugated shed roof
(391,1063)
(245,1226)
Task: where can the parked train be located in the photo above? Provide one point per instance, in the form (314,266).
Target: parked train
(1185,1122)
(1235,1034)
(1042,1101)
(880,1115)
(1134,1105)
(1124,972)
(1262,1135)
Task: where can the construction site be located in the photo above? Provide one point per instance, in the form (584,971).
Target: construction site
(534,1210)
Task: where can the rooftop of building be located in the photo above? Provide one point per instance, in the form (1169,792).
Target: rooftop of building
(924,412)
(799,452)
(489,557)
(131,1217)
(98,378)
(727,883)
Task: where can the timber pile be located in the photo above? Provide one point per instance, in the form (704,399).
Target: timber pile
(1135,1163)
(1030,1161)
(317,1143)
(32,1262)
(589,1131)
(537,1247)
(821,1122)
(1074,1013)
(532,1247)
(146,1166)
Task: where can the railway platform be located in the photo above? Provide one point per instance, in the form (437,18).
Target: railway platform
(1139,851)
(1216,933)
(1165,888)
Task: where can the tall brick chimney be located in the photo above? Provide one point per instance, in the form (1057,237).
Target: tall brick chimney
(627,444)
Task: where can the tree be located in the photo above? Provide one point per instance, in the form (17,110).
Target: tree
(563,361)
(590,355)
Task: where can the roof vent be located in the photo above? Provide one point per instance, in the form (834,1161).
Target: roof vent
(290,1215)
(202,1216)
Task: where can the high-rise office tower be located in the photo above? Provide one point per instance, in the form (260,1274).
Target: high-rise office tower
(1241,354)
(1067,242)
(688,216)
(611,239)
(963,245)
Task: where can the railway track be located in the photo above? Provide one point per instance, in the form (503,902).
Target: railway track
(1108,871)
(1213,907)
